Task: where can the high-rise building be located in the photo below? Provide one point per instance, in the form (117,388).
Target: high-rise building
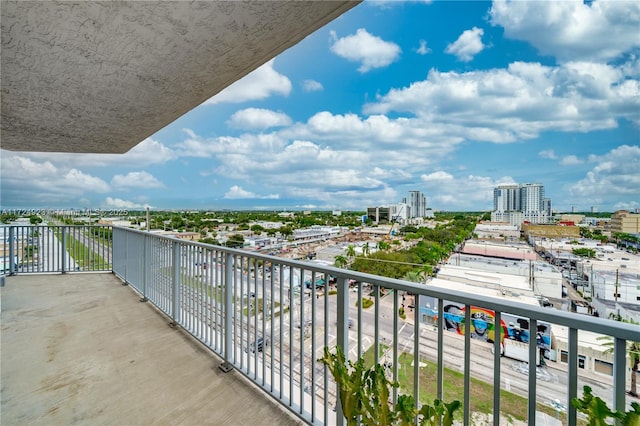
(417,203)
(506,198)
(520,203)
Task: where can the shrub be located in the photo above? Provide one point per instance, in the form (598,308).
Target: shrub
(366,303)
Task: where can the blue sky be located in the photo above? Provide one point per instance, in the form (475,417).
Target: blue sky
(451,98)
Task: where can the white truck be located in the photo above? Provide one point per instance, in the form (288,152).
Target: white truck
(518,350)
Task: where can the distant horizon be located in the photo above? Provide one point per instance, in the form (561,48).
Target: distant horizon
(451,98)
(93,211)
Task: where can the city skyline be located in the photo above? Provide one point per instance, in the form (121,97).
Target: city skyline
(452,99)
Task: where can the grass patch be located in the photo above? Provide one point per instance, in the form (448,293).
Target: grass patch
(481,393)
(81,254)
(366,303)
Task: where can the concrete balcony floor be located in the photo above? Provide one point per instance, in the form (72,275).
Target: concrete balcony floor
(82,349)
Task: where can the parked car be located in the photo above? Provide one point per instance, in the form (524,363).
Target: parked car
(258,345)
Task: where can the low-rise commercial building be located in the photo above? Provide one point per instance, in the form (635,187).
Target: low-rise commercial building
(625,222)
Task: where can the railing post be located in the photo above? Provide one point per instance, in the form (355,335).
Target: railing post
(227,365)
(126,256)
(63,252)
(343,333)
(145,267)
(175,308)
(619,374)
(12,247)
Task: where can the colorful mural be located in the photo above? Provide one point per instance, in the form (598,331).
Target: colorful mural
(483,323)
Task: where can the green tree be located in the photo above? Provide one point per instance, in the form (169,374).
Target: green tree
(413,276)
(340,262)
(35,219)
(257,229)
(235,241)
(383,246)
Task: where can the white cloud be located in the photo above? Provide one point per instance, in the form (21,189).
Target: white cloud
(439,177)
(260,84)
(519,102)
(467,45)
(118,203)
(572,30)
(236,192)
(570,160)
(258,119)
(312,86)
(615,175)
(147,152)
(136,180)
(370,51)
(76,179)
(462,192)
(630,206)
(549,154)
(423,49)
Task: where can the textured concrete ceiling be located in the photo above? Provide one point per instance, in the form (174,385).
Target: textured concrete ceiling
(94,76)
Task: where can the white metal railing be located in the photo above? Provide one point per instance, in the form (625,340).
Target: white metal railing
(55,248)
(270,319)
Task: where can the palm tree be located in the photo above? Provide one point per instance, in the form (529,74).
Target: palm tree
(340,261)
(351,251)
(383,246)
(633,350)
(413,276)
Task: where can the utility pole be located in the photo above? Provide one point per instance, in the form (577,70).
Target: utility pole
(615,295)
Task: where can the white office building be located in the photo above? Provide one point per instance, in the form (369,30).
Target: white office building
(417,204)
(515,204)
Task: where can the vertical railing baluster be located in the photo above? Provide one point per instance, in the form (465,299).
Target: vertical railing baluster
(63,250)
(533,366)
(146,267)
(619,374)
(394,362)
(12,249)
(497,355)
(416,356)
(227,311)
(467,365)
(359,321)
(342,333)
(376,320)
(440,374)
(325,370)
(175,309)
(573,375)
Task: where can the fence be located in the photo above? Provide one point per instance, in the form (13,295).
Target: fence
(270,318)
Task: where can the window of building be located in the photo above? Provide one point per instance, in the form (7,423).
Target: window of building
(603,367)
(582,360)
(564,356)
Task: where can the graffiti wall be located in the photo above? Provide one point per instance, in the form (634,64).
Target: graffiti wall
(483,325)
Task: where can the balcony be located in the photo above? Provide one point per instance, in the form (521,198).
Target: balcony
(183,332)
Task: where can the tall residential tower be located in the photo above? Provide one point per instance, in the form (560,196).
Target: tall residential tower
(520,203)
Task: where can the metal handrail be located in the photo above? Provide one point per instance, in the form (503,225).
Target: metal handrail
(255,311)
